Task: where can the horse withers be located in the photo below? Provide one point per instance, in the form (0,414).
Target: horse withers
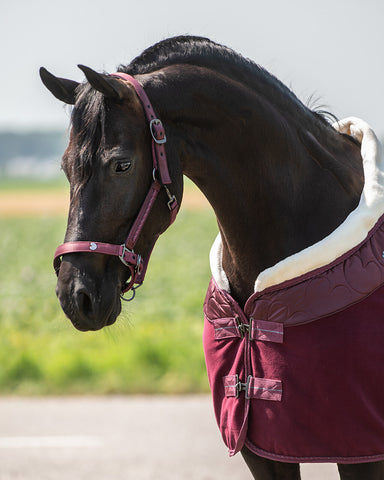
(290,342)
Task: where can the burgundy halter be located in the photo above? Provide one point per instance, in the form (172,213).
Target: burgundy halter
(125,252)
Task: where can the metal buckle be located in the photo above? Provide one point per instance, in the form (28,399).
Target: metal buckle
(172,198)
(125,249)
(156,121)
(171,201)
(242,387)
(243,327)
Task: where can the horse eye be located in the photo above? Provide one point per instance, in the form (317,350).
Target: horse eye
(122,167)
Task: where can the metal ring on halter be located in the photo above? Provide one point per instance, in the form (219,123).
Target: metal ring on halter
(133,293)
(133,290)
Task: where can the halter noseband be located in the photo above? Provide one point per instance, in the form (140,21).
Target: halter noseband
(125,251)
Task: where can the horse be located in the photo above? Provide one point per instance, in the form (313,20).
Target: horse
(279,177)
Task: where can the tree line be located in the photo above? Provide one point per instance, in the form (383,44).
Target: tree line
(39,145)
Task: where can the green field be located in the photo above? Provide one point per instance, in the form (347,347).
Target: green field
(155,346)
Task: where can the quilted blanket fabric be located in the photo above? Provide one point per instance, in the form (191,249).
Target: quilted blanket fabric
(297,376)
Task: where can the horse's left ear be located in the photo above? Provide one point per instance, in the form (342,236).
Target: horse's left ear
(109,86)
(61,88)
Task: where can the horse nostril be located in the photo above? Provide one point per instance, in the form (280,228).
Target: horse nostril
(84,303)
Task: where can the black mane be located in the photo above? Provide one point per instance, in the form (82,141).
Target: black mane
(203,52)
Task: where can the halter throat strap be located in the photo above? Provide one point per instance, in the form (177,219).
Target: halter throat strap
(161,179)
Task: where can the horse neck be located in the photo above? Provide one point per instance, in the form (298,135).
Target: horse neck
(278,179)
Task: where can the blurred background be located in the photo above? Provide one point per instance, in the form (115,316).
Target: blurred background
(332,51)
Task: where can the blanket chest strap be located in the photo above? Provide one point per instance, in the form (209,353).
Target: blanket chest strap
(254,387)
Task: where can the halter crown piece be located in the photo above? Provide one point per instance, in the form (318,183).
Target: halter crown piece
(161,179)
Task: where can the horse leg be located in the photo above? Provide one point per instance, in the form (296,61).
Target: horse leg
(360,471)
(264,469)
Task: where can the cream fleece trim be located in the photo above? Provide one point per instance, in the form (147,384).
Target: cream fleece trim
(350,233)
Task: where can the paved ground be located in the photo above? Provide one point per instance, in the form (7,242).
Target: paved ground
(118,438)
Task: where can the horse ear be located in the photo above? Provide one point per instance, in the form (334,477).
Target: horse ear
(63,89)
(109,86)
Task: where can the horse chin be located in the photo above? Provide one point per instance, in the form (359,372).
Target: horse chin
(87,323)
(107,317)
(82,326)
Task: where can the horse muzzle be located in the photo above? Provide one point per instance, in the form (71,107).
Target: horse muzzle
(89,304)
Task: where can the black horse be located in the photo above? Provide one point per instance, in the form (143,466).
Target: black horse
(276,173)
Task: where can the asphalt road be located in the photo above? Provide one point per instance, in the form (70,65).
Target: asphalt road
(119,438)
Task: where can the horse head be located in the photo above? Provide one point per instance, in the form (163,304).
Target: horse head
(110,168)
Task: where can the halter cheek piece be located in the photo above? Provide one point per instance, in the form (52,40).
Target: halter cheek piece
(161,179)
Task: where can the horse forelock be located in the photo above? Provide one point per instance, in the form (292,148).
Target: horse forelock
(87,122)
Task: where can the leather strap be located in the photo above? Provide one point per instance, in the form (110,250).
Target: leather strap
(97,247)
(155,126)
(143,215)
(254,387)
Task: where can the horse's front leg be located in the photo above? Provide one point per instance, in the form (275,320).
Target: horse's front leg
(264,469)
(362,471)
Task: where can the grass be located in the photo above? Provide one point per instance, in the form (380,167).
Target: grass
(155,345)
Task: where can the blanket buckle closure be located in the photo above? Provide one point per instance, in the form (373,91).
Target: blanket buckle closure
(242,387)
(242,327)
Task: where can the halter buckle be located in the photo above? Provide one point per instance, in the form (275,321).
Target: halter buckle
(122,255)
(155,125)
(171,198)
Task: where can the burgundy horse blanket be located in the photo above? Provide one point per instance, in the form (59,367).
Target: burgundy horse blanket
(298,374)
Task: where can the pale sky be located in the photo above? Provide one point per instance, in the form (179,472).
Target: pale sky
(332,48)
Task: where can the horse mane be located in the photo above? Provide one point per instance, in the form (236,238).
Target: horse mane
(203,52)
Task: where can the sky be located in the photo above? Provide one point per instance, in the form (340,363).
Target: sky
(332,49)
